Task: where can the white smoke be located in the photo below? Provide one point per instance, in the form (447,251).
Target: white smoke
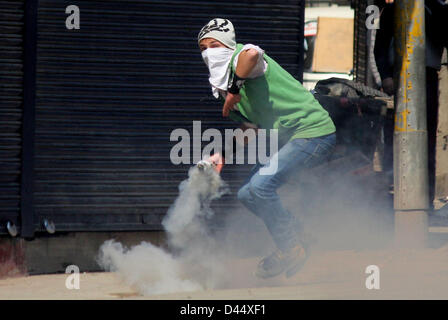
(184,221)
(193,263)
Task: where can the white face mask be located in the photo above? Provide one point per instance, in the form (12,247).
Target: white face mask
(217,61)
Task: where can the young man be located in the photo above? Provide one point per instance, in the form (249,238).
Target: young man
(263,92)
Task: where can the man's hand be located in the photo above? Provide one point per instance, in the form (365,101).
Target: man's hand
(246,62)
(216,161)
(231,100)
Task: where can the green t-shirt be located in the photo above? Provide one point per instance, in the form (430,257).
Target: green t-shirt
(277,100)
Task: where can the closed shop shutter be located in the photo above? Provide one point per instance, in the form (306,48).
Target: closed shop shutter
(360,42)
(11,100)
(109,94)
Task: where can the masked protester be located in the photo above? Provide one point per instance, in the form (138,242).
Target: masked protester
(254,85)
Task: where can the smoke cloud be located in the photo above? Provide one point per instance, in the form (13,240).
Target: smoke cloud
(192,263)
(344,205)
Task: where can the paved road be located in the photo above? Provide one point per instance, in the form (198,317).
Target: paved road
(405,274)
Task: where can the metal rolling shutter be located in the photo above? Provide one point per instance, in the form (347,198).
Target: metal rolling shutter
(11,99)
(360,42)
(109,95)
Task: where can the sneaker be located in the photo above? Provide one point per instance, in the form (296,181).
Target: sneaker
(279,261)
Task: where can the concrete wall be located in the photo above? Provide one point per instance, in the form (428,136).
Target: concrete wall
(53,253)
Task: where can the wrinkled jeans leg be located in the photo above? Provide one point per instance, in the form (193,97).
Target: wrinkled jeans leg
(260,196)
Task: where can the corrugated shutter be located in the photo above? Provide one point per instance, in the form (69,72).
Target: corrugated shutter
(109,95)
(11,99)
(360,42)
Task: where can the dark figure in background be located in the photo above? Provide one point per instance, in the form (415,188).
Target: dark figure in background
(436,24)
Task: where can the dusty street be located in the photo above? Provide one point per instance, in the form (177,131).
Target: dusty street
(404,274)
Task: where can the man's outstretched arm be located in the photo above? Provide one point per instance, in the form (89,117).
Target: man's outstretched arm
(246,63)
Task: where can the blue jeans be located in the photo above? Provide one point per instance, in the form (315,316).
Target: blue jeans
(260,196)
